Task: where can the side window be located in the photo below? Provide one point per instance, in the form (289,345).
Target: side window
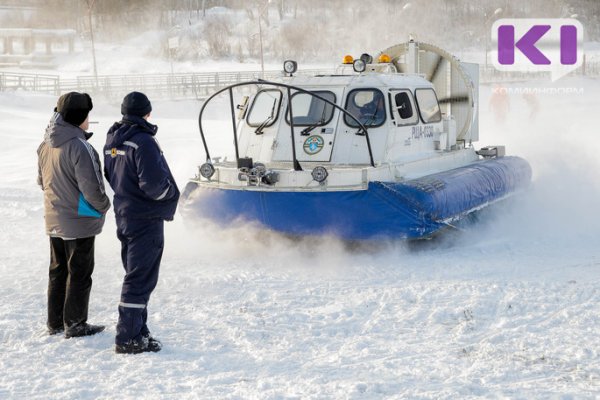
(404,106)
(265,108)
(367,105)
(309,110)
(428,105)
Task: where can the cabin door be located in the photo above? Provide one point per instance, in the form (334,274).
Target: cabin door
(262,122)
(404,115)
(314,127)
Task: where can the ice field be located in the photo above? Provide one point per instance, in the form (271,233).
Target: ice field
(508,308)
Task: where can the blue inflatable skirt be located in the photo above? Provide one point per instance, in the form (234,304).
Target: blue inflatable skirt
(410,209)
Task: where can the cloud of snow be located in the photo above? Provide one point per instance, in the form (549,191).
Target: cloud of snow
(553,131)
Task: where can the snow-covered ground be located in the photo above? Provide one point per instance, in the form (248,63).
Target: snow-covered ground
(510,308)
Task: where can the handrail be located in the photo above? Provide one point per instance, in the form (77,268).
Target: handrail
(289,88)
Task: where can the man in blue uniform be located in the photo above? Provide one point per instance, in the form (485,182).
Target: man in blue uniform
(146,195)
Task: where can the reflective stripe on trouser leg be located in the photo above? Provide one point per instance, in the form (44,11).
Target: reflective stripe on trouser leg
(131,305)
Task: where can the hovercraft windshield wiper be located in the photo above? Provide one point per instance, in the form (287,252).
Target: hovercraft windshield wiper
(368,123)
(270,118)
(306,131)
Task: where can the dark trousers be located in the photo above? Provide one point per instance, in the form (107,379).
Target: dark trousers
(142,244)
(70,281)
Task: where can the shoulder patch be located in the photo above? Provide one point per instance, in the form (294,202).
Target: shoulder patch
(114,152)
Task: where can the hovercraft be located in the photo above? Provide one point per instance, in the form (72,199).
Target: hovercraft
(380,148)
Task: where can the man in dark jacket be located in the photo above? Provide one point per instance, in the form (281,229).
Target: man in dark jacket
(75,204)
(146,195)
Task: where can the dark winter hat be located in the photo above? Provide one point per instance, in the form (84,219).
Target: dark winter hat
(136,103)
(74,107)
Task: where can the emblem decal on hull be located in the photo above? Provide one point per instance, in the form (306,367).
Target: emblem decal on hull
(313,144)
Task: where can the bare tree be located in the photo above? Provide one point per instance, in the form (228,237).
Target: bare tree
(217,33)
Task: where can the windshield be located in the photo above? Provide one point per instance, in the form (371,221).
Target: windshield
(428,105)
(265,108)
(367,105)
(311,111)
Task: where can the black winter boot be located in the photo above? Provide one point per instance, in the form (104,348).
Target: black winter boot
(145,344)
(83,329)
(153,342)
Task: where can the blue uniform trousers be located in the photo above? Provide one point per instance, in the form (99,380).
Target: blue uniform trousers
(142,242)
